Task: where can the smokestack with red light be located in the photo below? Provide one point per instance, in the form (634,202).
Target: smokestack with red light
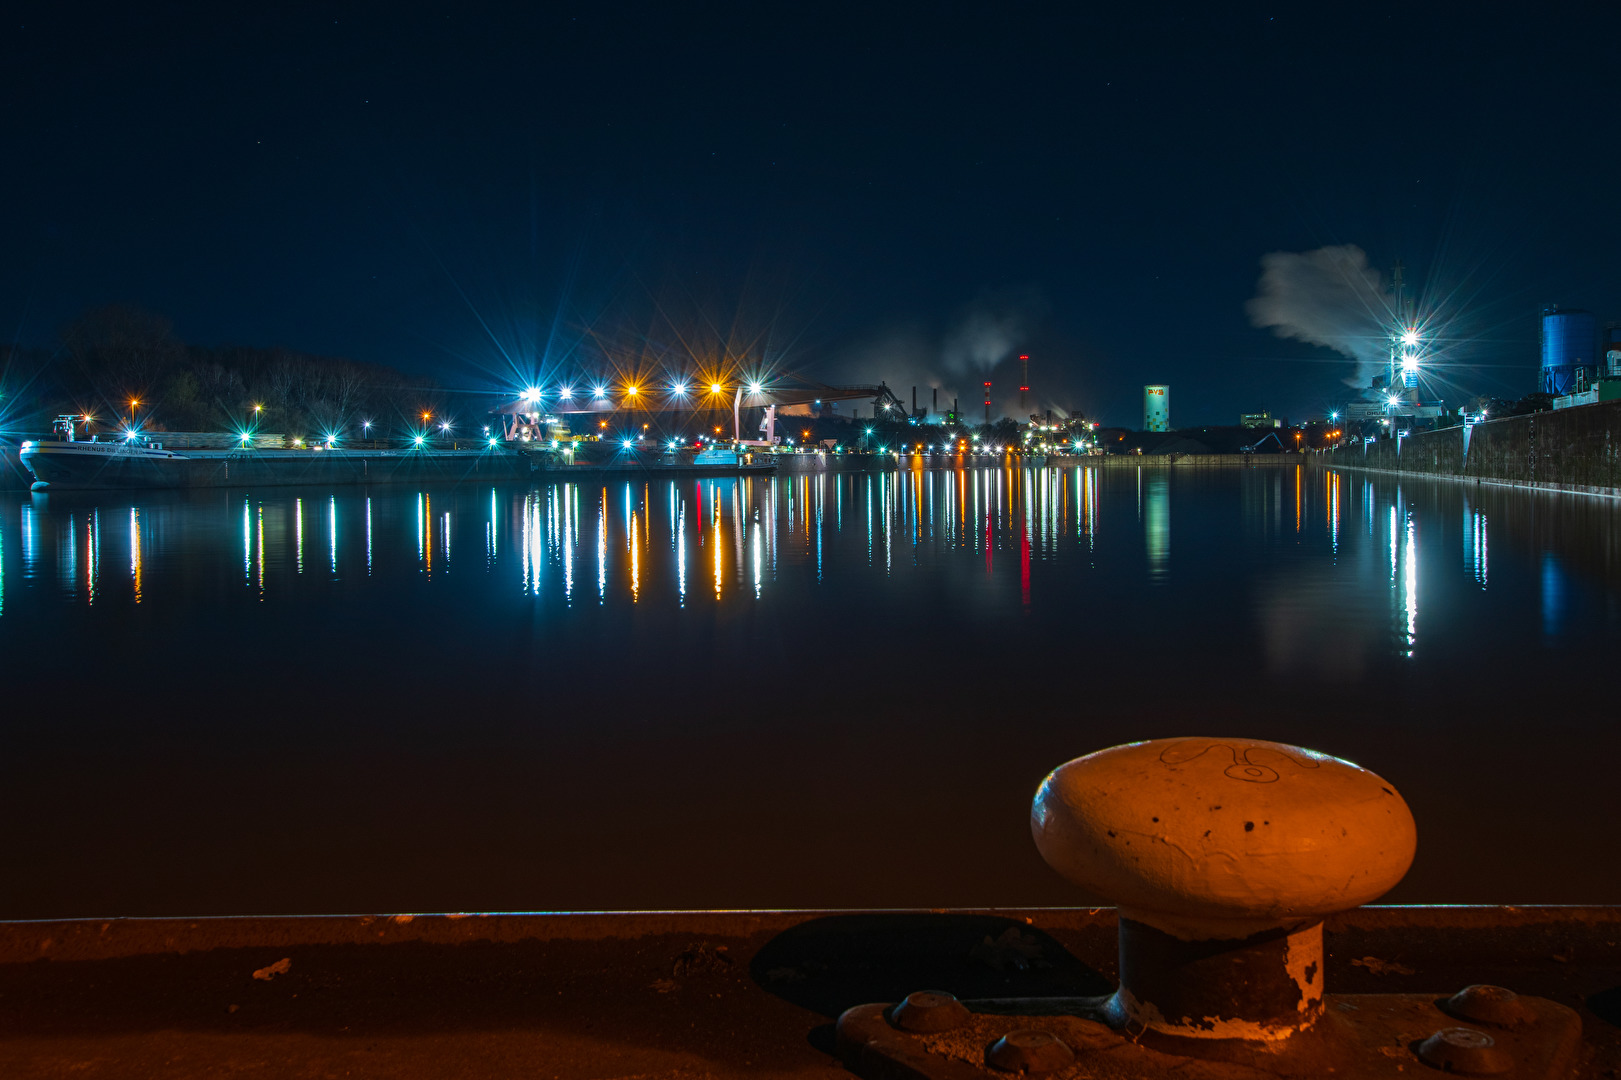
(987,402)
(1024,383)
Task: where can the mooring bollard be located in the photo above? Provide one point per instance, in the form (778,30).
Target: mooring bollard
(1224,856)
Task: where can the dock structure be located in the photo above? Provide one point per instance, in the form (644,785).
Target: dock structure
(660,994)
(529,409)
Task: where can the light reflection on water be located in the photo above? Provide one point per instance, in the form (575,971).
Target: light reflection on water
(938,639)
(750,532)
(747,528)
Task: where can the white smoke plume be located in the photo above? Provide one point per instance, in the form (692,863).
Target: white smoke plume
(1330,297)
(989,332)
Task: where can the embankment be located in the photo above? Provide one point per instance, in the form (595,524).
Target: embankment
(1576,449)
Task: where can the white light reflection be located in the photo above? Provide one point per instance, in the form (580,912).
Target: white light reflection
(571,535)
(261,551)
(1410,584)
(1333,481)
(680,549)
(602,546)
(489,531)
(30,534)
(821,498)
(135,550)
(1474,541)
(869,520)
(332,530)
(1394,538)
(756,546)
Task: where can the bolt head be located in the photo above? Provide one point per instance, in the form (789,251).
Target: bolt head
(1466,1051)
(1029,1051)
(1485,1004)
(929,1011)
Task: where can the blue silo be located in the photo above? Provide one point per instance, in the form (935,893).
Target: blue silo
(1567,349)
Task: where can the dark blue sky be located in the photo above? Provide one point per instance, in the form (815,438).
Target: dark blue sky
(441,187)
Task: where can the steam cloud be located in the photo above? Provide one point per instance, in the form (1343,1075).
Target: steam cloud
(988,332)
(1330,297)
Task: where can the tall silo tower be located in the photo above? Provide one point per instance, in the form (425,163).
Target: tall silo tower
(1568,340)
(1156,407)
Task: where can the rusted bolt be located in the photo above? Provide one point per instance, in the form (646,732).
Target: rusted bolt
(1485,1004)
(1029,1052)
(1465,1050)
(928,1011)
(1224,856)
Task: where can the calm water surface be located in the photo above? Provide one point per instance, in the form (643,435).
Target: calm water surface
(836,690)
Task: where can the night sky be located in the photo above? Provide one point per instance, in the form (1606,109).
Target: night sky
(484,192)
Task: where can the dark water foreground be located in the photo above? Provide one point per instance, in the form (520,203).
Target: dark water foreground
(818,691)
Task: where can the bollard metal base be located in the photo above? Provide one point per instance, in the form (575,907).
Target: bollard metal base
(1359,1035)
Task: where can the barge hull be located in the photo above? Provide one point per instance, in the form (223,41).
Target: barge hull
(58,472)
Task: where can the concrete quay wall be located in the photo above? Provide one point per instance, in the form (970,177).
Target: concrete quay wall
(1181,461)
(1576,449)
(800,464)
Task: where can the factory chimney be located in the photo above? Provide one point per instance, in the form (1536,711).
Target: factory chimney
(914,401)
(987,402)
(1024,383)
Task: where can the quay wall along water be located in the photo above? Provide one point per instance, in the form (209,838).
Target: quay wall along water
(801,464)
(1576,449)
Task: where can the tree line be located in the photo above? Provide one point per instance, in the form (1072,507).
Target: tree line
(111,356)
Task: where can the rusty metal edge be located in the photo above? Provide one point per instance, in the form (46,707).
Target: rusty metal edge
(111,938)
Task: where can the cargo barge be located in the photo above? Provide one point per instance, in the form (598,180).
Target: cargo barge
(80,465)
